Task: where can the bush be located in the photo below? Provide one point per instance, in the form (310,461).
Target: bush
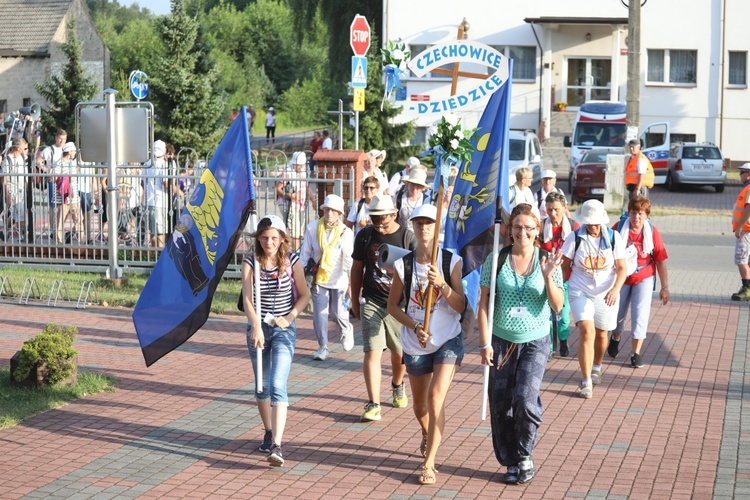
(53,347)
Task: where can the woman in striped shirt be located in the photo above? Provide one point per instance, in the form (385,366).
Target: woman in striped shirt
(283,295)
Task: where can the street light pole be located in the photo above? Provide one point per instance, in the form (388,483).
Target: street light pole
(633,113)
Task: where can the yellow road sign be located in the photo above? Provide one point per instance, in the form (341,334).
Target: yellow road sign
(359,99)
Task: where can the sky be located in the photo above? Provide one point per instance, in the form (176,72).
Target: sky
(156,6)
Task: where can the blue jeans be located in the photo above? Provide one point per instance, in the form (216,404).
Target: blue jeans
(515,405)
(278,351)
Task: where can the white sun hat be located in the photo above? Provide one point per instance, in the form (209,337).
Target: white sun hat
(334,202)
(592,212)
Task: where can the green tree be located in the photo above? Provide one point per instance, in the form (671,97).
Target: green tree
(380,129)
(305,102)
(337,16)
(187,104)
(66,89)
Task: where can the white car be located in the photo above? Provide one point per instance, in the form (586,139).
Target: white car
(525,151)
(696,164)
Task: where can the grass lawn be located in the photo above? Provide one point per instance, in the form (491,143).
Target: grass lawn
(17,404)
(106,294)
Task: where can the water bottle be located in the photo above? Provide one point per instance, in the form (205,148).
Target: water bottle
(346,302)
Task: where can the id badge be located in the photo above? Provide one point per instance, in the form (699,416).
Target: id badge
(518,312)
(269,319)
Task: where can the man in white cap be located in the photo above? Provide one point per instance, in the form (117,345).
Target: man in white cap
(292,192)
(155,191)
(741,228)
(549,180)
(379,329)
(327,257)
(396,182)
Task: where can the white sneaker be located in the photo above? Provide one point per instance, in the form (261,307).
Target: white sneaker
(321,354)
(347,338)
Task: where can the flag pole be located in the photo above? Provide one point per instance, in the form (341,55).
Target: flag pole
(433,258)
(256,297)
(491,306)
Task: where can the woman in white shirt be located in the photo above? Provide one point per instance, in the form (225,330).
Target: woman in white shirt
(520,192)
(596,255)
(431,357)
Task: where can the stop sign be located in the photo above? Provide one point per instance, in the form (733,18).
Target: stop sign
(360,35)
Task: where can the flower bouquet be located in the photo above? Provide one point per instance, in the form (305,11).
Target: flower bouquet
(395,56)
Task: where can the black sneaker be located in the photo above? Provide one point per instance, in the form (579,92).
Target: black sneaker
(511,477)
(276,458)
(564,349)
(526,470)
(265,446)
(614,347)
(636,361)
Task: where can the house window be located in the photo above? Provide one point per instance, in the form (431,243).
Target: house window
(672,66)
(3,105)
(677,137)
(26,101)
(738,68)
(524,61)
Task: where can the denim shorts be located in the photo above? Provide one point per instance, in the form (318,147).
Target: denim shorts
(450,353)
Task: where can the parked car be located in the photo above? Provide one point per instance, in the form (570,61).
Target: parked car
(586,179)
(524,150)
(696,164)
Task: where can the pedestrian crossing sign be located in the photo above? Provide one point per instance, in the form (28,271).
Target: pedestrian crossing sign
(359,72)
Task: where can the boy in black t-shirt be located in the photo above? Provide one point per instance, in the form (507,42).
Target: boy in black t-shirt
(379,329)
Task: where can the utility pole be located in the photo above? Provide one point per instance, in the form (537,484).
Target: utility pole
(633,111)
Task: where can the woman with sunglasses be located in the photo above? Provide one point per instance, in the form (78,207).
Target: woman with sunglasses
(528,288)
(359,214)
(273,328)
(431,357)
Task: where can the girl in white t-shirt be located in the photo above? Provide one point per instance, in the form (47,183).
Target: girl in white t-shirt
(431,356)
(596,256)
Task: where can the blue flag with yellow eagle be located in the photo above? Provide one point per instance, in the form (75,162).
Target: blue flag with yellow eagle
(177,297)
(479,186)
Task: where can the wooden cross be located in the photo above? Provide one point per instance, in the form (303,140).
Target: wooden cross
(455,72)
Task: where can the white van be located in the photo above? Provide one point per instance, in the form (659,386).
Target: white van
(602,125)
(599,125)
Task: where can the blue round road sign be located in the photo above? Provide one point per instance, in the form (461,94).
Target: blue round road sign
(139,84)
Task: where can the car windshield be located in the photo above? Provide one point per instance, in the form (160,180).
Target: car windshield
(595,157)
(517,147)
(600,134)
(701,153)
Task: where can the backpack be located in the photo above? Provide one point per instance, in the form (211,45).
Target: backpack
(400,198)
(611,239)
(63,187)
(447,255)
(295,293)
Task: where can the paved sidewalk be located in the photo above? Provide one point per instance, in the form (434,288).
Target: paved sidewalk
(187,426)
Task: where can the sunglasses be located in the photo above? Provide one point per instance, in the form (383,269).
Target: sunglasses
(369,188)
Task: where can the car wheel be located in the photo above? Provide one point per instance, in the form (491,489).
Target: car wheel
(671,186)
(719,188)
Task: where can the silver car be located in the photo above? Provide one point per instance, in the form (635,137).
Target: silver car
(696,164)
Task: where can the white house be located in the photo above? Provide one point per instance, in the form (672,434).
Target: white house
(693,61)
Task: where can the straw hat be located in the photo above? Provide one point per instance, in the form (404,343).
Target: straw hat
(592,212)
(334,202)
(382,204)
(417,176)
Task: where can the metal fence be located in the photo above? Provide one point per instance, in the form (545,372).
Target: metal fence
(40,227)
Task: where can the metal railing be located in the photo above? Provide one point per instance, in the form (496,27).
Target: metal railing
(42,228)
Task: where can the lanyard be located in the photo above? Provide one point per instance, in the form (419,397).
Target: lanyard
(529,269)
